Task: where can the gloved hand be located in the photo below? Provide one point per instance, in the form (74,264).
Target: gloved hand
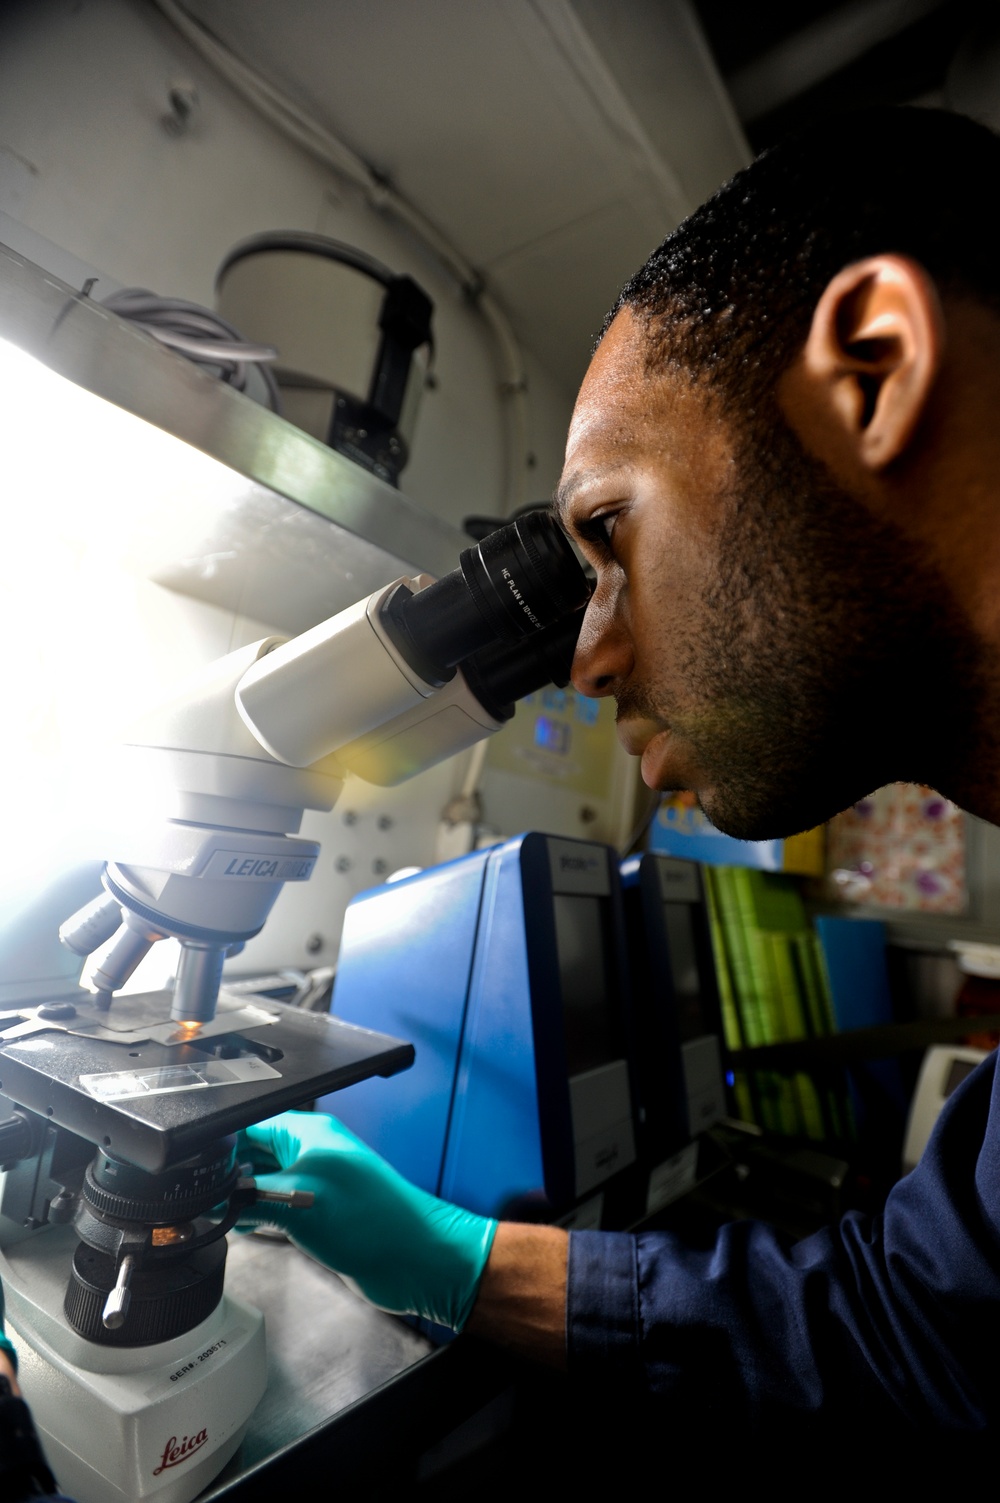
(5,1346)
(407,1251)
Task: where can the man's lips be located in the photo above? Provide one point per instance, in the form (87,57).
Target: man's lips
(665,759)
(653,743)
(635,734)
(655,764)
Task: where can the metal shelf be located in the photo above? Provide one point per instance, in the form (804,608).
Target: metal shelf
(297,531)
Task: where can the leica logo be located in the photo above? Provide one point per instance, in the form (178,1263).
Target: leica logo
(175,1451)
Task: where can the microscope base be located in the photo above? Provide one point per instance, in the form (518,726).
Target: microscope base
(127,1425)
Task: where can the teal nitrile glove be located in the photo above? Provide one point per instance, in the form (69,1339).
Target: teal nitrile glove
(407,1251)
(5,1345)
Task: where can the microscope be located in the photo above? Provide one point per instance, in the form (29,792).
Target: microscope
(118,1131)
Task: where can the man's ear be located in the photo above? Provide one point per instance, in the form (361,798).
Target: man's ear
(872,356)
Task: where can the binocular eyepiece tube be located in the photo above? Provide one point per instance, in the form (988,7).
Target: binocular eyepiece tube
(509,589)
(508,617)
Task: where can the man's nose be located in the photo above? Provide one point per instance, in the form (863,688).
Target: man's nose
(603,657)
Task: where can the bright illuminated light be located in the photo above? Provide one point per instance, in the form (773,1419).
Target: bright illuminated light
(100,474)
(186,1033)
(96,504)
(169,1236)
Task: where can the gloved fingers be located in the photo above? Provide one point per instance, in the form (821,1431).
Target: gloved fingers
(291,1134)
(275,1139)
(249,1152)
(261,1215)
(6,1347)
(274,1213)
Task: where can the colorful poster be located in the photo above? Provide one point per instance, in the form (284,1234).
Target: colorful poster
(902,848)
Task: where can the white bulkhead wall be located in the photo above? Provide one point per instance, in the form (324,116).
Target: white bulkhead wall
(86,163)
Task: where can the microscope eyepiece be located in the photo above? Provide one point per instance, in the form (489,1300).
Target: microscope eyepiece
(512,585)
(523,577)
(505,672)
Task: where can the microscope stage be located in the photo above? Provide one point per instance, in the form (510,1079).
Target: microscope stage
(154,1102)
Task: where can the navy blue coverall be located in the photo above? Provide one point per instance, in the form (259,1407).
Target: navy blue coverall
(892,1321)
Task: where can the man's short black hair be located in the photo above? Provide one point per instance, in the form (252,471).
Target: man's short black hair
(730,294)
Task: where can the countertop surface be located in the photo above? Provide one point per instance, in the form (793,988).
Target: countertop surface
(327,1349)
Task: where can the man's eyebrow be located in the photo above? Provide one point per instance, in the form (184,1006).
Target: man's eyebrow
(566,490)
(577,481)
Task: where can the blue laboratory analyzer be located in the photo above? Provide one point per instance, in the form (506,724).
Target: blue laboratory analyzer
(505,969)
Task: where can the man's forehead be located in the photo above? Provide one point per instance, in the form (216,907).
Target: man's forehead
(615,376)
(621,358)
(614,412)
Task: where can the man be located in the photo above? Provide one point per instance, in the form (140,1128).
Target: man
(783,466)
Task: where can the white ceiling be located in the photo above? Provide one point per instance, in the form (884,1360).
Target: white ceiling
(554,141)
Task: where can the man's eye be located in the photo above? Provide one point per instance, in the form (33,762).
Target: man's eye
(599,529)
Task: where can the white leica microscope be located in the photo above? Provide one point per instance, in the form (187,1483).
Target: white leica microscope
(118,1116)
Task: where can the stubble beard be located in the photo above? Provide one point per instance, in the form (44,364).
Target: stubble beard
(830,657)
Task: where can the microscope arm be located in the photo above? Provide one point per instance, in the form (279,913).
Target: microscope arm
(416,672)
(235,758)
